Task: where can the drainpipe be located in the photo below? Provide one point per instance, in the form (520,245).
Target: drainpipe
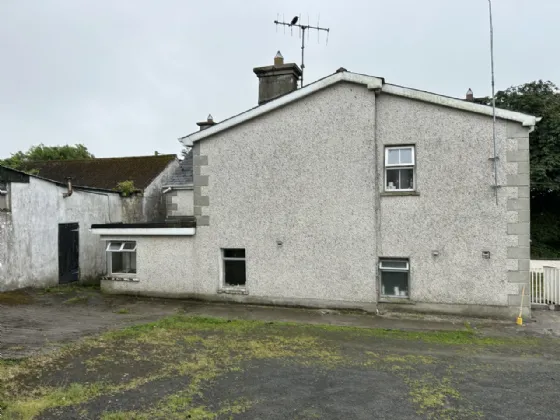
(70,191)
(495,157)
(378,187)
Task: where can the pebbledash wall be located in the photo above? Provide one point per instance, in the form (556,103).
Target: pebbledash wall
(301,189)
(29,232)
(179,201)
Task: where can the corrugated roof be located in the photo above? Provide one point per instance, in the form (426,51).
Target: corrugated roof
(183,175)
(104,173)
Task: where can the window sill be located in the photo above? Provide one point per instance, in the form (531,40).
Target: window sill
(118,278)
(233,291)
(389,299)
(400,193)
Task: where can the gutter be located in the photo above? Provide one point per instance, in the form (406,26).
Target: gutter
(167,188)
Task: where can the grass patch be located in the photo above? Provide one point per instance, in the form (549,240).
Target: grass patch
(122,311)
(76,299)
(74,394)
(16,297)
(467,337)
(430,393)
(10,362)
(461,337)
(70,288)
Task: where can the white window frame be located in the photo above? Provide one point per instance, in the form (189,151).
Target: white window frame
(405,269)
(389,166)
(5,195)
(121,249)
(225,285)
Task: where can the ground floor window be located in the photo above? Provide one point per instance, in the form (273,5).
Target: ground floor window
(394,276)
(234,267)
(121,257)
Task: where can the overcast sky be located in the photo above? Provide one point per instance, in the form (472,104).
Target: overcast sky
(130,77)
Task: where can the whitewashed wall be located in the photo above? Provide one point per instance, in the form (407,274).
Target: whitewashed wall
(29,232)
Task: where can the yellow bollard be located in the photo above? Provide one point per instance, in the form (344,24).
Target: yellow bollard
(519,318)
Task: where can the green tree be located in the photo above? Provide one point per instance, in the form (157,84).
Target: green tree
(541,99)
(42,153)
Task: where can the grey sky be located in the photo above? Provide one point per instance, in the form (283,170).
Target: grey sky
(130,77)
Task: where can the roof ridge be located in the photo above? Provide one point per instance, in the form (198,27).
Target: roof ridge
(373,83)
(98,159)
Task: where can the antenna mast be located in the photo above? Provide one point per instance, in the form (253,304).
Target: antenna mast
(302,28)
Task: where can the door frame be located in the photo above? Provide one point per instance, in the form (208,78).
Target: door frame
(68,252)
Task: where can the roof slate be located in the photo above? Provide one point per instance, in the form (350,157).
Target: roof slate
(104,173)
(183,175)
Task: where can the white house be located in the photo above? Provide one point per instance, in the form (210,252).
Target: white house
(350,192)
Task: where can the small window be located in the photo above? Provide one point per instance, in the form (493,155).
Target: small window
(234,267)
(4,196)
(399,168)
(394,276)
(121,257)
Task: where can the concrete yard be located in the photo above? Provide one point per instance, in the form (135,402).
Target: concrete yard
(73,353)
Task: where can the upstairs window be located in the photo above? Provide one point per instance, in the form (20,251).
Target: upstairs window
(121,257)
(399,168)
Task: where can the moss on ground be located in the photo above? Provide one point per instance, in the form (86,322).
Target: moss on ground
(204,349)
(16,297)
(70,288)
(76,299)
(122,311)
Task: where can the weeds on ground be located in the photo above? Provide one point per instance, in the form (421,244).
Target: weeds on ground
(202,349)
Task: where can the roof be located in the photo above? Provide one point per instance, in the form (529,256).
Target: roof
(183,174)
(184,222)
(104,173)
(185,226)
(23,177)
(372,83)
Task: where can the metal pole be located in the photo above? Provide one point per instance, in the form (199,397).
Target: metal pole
(303,28)
(495,158)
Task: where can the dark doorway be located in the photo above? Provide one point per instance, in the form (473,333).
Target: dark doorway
(68,252)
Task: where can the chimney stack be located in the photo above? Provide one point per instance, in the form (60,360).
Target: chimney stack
(206,124)
(277,80)
(470,95)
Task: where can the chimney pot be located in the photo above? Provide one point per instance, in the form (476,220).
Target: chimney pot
(278,59)
(206,124)
(470,95)
(277,80)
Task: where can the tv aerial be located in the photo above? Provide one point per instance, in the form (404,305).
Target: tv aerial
(302,29)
